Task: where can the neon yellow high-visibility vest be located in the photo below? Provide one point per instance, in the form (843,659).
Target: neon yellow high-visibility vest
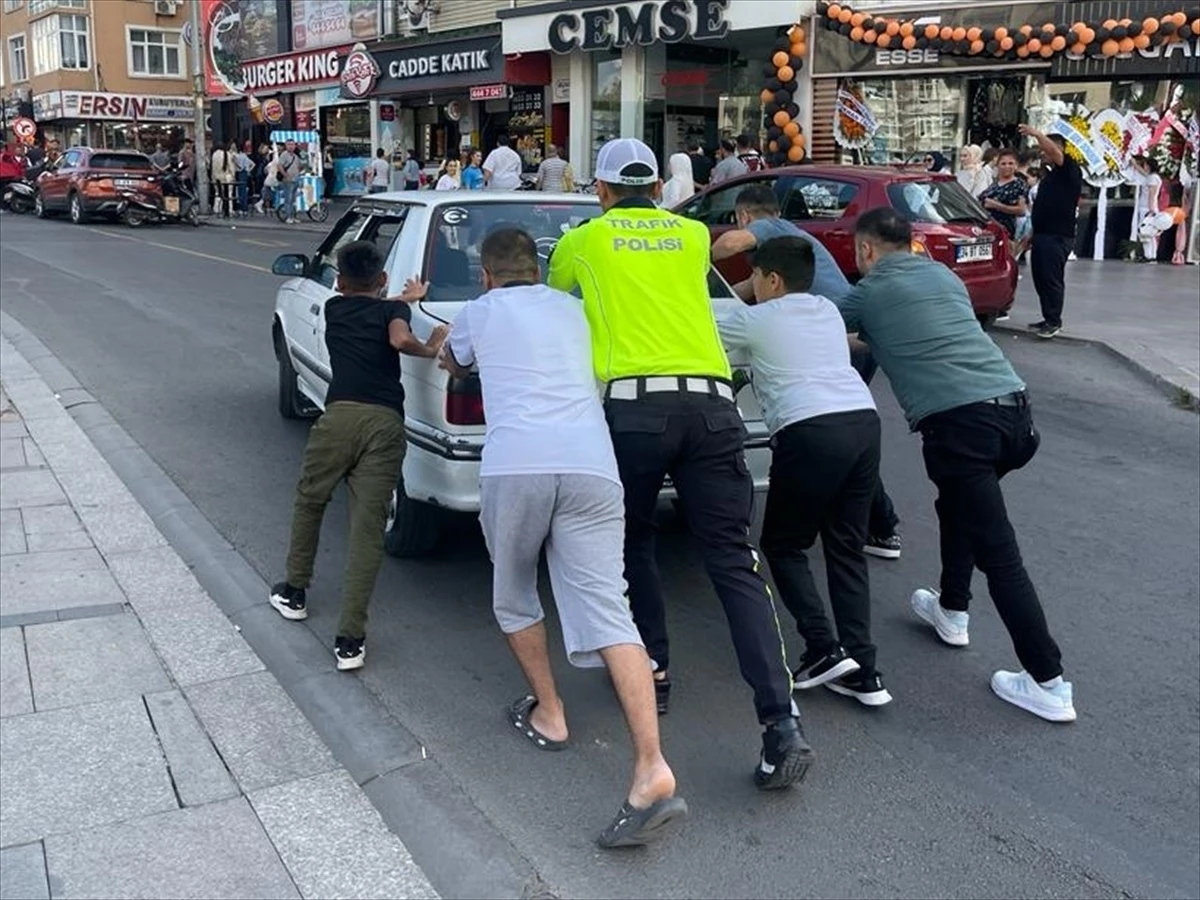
(643,273)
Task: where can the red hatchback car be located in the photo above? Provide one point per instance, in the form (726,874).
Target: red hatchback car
(949,225)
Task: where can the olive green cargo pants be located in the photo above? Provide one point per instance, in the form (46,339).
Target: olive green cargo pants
(364,444)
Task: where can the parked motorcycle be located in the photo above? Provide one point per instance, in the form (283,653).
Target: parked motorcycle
(20,196)
(138,208)
(180,203)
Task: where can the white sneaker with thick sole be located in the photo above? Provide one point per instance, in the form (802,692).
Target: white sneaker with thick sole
(1054,703)
(951,626)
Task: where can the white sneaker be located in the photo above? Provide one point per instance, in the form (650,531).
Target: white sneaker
(950,625)
(1053,703)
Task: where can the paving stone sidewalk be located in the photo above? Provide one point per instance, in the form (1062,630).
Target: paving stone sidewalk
(146,750)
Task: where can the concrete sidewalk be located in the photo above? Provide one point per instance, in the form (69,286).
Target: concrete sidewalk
(1149,315)
(146,750)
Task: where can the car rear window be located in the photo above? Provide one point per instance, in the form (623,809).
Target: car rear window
(127,161)
(936,202)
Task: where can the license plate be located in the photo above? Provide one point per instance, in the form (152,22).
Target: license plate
(172,205)
(968,253)
(126,183)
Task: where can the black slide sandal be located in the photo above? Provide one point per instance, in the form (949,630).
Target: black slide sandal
(518,717)
(636,827)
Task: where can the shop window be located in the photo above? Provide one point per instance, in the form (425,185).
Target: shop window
(606,106)
(60,42)
(817,198)
(153,53)
(18,66)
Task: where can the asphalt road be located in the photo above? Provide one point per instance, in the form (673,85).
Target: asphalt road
(946,792)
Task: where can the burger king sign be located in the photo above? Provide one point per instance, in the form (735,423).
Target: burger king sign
(359,73)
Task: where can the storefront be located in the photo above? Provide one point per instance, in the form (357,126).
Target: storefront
(419,96)
(114,121)
(661,71)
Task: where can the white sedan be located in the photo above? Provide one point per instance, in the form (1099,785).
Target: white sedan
(434,236)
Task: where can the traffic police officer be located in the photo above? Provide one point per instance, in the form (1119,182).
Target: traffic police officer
(670,406)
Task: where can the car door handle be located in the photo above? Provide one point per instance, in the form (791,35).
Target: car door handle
(315,309)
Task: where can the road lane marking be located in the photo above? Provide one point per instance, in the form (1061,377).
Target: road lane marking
(263,243)
(214,258)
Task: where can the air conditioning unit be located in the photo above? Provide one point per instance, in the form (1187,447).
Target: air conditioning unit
(165,7)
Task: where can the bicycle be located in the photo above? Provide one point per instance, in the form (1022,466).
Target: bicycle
(318,212)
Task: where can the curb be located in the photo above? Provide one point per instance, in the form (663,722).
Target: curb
(408,787)
(262,224)
(1136,360)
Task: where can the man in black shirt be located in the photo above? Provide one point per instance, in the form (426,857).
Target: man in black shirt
(702,163)
(360,437)
(1053,220)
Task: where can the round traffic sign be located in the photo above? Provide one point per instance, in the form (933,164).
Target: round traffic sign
(24,127)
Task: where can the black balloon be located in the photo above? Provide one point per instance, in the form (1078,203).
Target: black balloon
(831,24)
(774,132)
(793,110)
(936,43)
(783,44)
(1168,28)
(922,42)
(783,141)
(767,122)
(1062,30)
(1046,36)
(783,98)
(773,85)
(792,86)
(1134,29)
(845,28)
(796,62)
(1120,32)
(769,70)
(771,108)
(1072,38)
(822,8)
(1102,35)
(1020,39)
(992,46)
(962,46)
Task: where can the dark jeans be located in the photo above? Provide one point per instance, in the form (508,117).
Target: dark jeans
(224,190)
(967,451)
(363,444)
(243,191)
(883,520)
(698,441)
(824,472)
(1048,265)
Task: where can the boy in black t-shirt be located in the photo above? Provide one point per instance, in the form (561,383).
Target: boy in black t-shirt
(360,437)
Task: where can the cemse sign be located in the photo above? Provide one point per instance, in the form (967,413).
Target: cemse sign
(644,24)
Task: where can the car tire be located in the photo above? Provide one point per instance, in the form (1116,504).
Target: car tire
(414,528)
(75,210)
(292,403)
(39,207)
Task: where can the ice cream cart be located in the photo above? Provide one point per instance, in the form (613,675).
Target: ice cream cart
(310,186)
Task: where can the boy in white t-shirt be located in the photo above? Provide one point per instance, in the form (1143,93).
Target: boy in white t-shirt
(381,173)
(825,440)
(549,478)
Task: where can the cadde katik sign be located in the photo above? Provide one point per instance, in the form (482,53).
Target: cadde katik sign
(404,70)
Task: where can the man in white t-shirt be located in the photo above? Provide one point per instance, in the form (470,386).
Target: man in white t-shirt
(549,477)
(825,440)
(502,168)
(381,173)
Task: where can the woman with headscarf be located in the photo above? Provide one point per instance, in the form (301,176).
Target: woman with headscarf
(973,175)
(936,162)
(680,185)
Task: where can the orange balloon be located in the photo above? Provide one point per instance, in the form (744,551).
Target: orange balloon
(779,59)
(795,153)
(947,33)
(773,146)
(1110,24)
(798,48)
(1180,18)
(1006,44)
(856,33)
(932,31)
(781,118)
(959,34)
(1049,26)
(1150,26)
(1080,49)
(973,34)
(1196,26)
(1001,33)
(1125,22)
(1058,43)
(1142,41)
(1078,27)
(1026,29)
(977,46)
(798,33)
(906,29)
(791,129)
(766,96)
(857,18)
(785,74)
(1046,51)
(884,40)
(834,11)
(870,37)
(1023,51)
(1126,45)
(1110,47)
(844,16)
(1087,36)
(909,42)
(1034,45)
(893,28)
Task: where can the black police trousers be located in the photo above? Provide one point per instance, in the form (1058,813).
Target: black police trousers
(698,440)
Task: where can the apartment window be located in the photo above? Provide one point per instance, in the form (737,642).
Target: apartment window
(18,65)
(153,53)
(12,5)
(60,42)
(37,7)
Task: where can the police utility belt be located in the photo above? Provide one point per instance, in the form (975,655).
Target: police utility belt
(637,388)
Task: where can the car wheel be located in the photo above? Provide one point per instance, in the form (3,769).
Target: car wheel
(39,207)
(78,216)
(414,528)
(292,403)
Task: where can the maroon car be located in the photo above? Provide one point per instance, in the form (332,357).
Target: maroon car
(948,224)
(85,182)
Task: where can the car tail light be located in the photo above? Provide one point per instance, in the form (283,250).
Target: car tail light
(464,401)
(918,247)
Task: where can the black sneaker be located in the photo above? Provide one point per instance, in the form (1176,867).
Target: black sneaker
(785,756)
(865,687)
(349,652)
(822,667)
(1048,331)
(1036,326)
(1002,317)
(884,547)
(662,694)
(290,602)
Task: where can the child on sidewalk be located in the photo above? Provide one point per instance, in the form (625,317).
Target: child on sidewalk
(359,438)
(825,440)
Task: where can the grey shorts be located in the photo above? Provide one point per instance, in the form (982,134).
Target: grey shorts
(581,521)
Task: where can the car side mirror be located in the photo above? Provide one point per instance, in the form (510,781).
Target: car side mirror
(290,265)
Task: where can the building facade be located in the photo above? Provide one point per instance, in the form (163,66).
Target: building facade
(97,72)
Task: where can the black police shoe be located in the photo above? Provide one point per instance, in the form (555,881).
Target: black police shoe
(785,756)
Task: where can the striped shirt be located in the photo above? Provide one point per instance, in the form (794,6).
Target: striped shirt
(551,173)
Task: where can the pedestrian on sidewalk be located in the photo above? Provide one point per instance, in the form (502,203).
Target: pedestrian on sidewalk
(957,389)
(756,212)
(359,438)
(825,440)
(224,172)
(670,406)
(287,171)
(1053,217)
(380,172)
(245,168)
(551,171)
(549,480)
